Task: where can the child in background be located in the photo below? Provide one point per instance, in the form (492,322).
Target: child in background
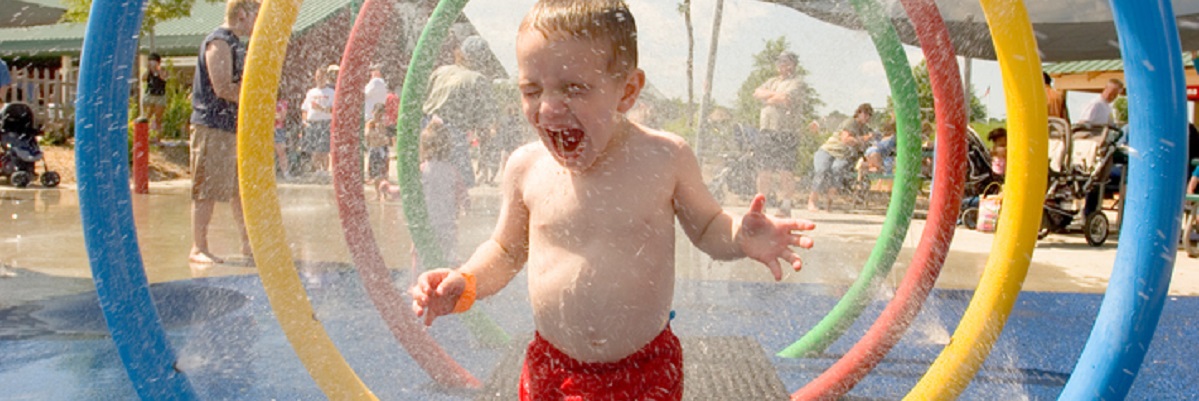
(445,190)
(591,210)
(998,138)
(378,138)
(283,165)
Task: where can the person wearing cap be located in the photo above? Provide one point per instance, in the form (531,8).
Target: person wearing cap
(317,110)
(780,123)
(462,97)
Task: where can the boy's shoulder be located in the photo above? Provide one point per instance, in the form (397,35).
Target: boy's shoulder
(660,138)
(527,155)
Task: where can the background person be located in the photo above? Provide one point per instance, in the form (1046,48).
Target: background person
(5,81)
(880,156)
(154,98)
(282,164)
(1099,111)
(1056,99)
(375,90)
(462,97)
(780,121)
(834,161)
(215,92)
(378,139)
(317,111)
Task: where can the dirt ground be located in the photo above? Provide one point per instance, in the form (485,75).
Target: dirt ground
(62,160)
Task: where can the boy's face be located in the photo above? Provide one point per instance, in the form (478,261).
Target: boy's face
(571,98)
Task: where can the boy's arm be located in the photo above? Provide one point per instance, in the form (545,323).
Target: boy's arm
(499,259)
(493,264)
(724,236)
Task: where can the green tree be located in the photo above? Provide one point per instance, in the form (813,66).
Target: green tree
(747,107)
(924,89)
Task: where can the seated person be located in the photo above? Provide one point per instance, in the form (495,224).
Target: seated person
(880,156)
(1194,181)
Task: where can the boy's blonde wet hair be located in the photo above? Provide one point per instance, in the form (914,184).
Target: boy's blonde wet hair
(602,20)
(435,141)
(232,7)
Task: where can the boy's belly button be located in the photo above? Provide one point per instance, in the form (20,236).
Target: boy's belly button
(595,342)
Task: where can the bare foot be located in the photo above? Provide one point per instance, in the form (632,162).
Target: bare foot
(203,258)
(812,207)
(387,191)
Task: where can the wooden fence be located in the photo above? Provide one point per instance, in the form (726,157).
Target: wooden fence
(50,92)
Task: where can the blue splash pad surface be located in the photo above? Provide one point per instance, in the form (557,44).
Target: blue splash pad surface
(232,348)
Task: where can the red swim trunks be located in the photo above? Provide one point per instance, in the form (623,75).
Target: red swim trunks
(653,373)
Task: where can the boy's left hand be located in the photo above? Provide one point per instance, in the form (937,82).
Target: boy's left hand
(766,239)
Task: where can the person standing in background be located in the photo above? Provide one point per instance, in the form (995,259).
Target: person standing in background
(1056,99)
(318,119)
(154,97)
(282,164)
(779,123)
(462,97)
(5,81)
(215,92)
(375,91)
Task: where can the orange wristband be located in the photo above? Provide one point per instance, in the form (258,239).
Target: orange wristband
(467,299)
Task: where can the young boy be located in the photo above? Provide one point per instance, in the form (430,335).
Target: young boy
(591,210)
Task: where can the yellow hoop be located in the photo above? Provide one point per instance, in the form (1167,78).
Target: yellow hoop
(1024,194)
(264,220)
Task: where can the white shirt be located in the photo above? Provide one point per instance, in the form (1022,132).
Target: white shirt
(376,93)
(1097,112)
(321,96)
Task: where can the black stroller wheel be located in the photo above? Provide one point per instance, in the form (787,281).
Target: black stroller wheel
(1096,229)
(50,179)
(970,218)
(20,179)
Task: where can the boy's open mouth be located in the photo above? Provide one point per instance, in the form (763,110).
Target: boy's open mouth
(567,142)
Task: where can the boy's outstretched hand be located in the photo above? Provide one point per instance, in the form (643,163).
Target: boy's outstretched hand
(766,239)
(435,293)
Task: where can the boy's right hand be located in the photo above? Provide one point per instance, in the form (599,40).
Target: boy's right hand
(436,292)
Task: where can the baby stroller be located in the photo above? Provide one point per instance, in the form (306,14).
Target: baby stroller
(19,151)
(739,174)
(1080,162)
(979,177)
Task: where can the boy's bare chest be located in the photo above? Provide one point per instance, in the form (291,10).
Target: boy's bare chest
(601,203)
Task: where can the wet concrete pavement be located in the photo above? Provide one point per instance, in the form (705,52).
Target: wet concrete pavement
(231,347)
(42,233)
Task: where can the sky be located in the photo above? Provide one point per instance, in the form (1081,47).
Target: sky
(844,68)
